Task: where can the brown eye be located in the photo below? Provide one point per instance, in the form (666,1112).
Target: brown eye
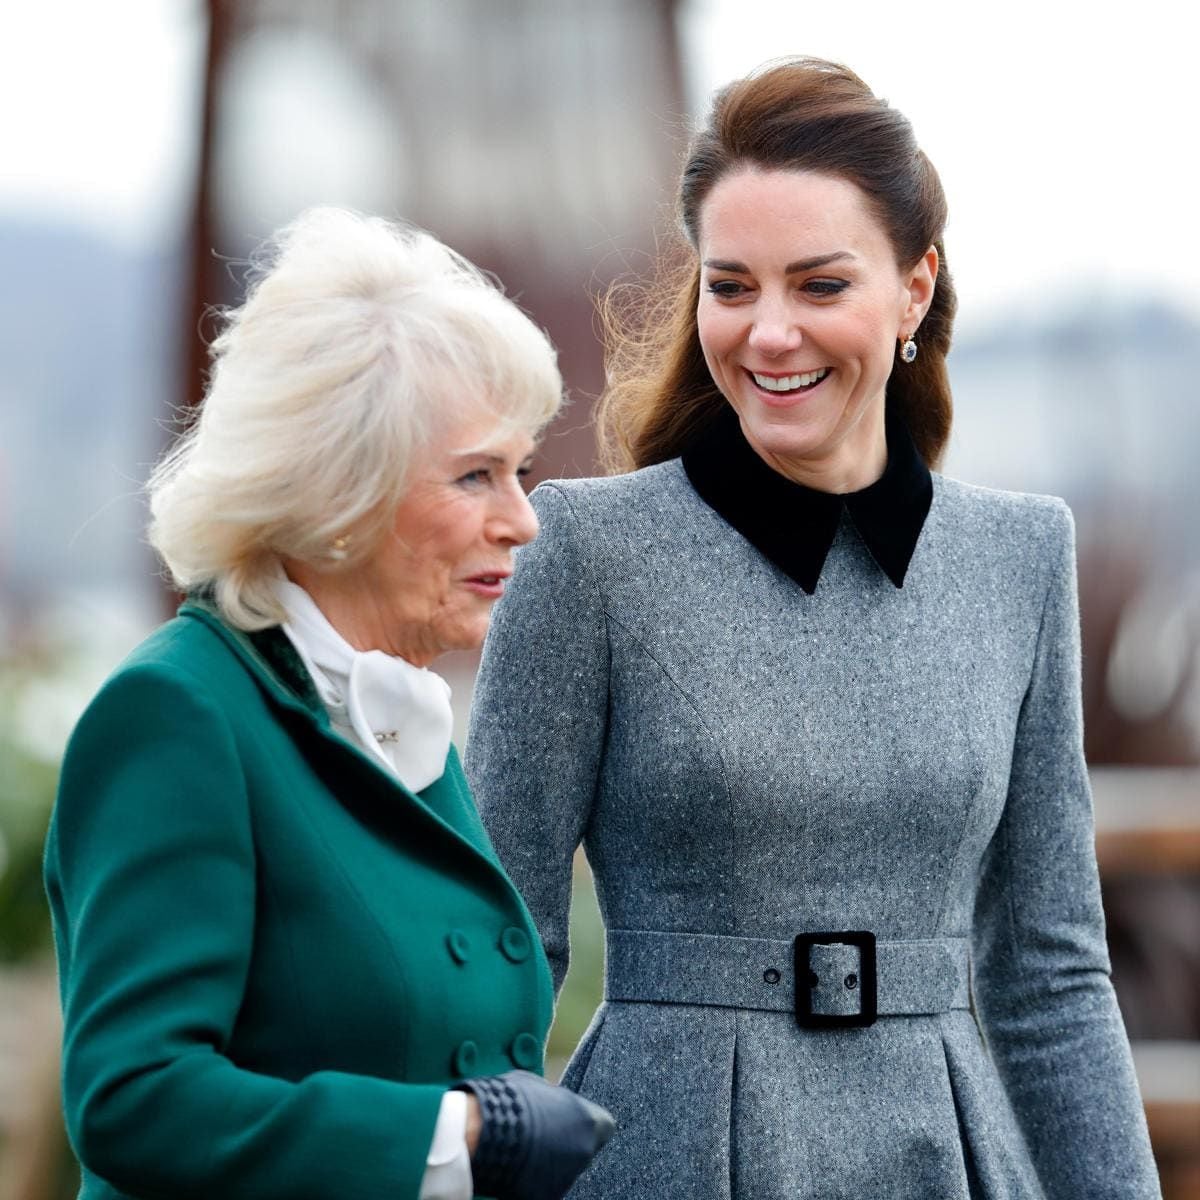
(825,287)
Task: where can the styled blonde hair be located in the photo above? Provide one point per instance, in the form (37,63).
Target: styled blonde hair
(358,341)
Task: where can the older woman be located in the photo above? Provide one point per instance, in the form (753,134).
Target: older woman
(291,965)
(814,711)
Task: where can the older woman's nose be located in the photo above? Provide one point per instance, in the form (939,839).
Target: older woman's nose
(515,523)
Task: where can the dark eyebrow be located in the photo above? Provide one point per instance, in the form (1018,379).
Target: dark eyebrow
(793,268)
(821,260)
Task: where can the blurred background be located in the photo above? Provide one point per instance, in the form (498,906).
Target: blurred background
(149,145)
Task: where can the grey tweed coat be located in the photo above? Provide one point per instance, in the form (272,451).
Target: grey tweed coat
(744,763)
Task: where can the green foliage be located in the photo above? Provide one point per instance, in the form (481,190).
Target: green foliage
(582,989)
(36,705)
(27,782)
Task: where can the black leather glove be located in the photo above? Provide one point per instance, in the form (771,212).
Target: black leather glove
(535,1137)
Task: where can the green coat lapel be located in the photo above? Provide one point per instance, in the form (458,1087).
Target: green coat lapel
(273,661)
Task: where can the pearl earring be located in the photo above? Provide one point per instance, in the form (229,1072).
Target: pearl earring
(908,349)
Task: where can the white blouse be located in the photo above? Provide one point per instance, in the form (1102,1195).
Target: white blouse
(370,697)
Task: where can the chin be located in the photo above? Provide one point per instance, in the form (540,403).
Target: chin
(467,640)
(785,441)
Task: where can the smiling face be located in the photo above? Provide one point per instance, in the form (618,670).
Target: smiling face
(801,305)
(430,586)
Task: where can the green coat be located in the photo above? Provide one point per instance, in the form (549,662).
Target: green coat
(274,959)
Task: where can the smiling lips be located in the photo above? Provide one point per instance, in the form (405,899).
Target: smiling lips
(789,383)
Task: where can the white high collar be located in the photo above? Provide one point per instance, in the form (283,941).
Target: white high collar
(392,709)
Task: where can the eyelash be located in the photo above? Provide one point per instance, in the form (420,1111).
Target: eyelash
(826,287)
(725,289)
(484,475)
(729,289)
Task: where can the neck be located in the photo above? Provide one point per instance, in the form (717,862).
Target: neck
(854,464)
(351,606)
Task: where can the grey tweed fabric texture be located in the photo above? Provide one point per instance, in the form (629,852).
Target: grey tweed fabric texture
(743,760)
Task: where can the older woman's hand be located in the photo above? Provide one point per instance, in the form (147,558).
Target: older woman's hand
(535,1138)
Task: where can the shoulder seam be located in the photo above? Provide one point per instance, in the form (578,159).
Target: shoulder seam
(584,543)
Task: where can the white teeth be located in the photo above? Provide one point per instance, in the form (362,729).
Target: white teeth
(789,383)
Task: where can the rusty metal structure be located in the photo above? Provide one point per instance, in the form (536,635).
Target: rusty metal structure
(538,137)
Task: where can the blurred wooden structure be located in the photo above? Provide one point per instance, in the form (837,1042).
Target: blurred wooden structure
(537,137)
(1148,846)
(1169,1074)
(1147,820)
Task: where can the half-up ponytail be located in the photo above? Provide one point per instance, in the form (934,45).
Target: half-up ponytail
(803,114)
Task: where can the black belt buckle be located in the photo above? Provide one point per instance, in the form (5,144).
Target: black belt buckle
(868,994)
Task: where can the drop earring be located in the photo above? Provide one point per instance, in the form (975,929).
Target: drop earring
(908,349)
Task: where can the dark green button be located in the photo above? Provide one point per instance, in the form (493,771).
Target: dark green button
(459,946)
(515,944)
(526,1051)
(466,1059)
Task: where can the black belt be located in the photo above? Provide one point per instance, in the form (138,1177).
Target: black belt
(845,979)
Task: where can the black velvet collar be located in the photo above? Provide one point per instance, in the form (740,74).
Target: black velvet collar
(794,526)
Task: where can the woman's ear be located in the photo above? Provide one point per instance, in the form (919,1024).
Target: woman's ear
(919,284)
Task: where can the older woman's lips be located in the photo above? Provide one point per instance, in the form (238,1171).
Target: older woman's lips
(491,586)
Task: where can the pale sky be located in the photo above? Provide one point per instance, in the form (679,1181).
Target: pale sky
(97,101)
(1064,132)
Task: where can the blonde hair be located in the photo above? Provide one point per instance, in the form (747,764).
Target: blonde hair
(357,342)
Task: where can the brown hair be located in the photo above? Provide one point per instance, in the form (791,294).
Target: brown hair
(804,114)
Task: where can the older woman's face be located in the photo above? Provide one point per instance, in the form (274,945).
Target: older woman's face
(445,562)
(801,304)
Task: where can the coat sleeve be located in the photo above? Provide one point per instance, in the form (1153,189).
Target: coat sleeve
(1042,983)
(539,718)
(150,870)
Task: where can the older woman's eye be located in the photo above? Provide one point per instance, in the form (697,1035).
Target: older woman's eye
(474,478)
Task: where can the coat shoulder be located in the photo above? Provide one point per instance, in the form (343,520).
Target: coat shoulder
(614,499)
(617,520)
(184,651)
(1022,527)
(183,666)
